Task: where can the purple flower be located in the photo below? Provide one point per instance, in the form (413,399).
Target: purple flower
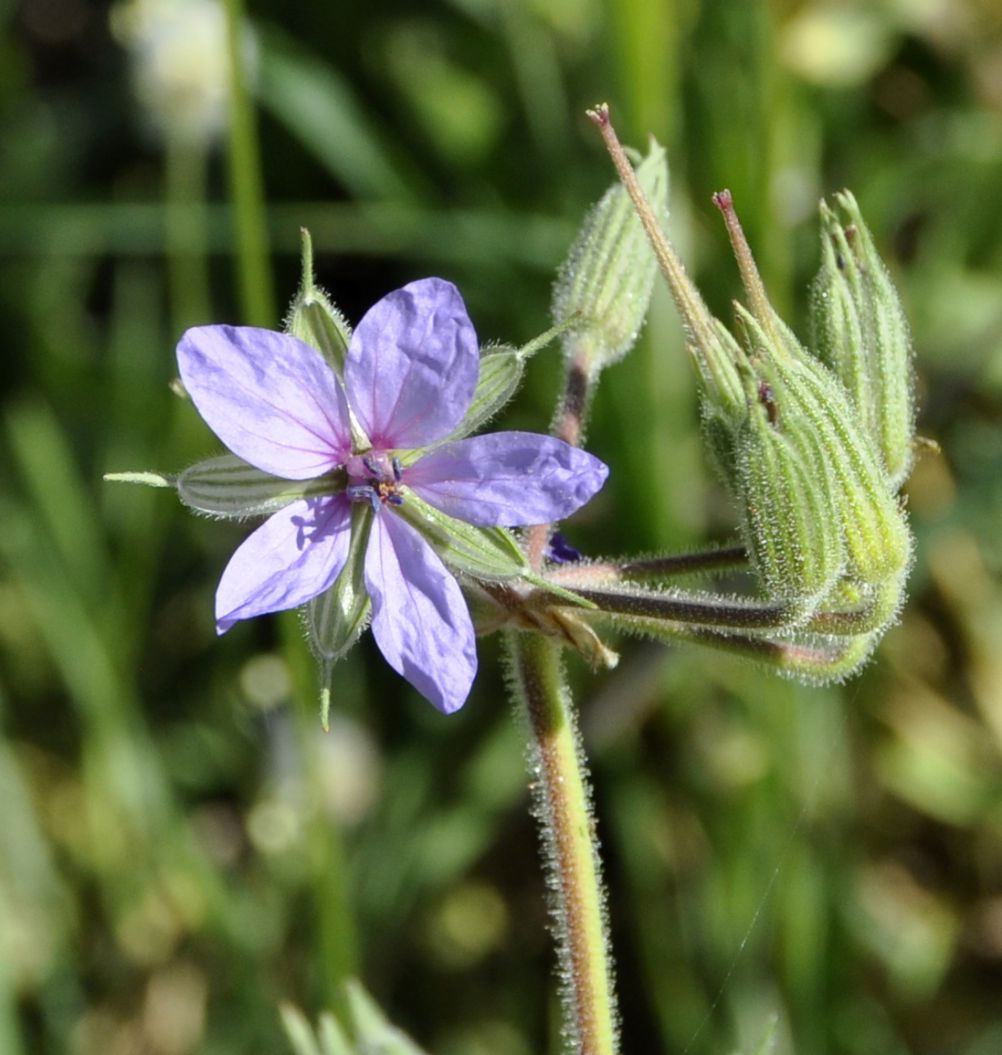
(409,377)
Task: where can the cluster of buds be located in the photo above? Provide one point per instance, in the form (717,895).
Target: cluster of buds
(813,446)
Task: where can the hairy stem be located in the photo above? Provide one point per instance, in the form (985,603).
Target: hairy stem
(641,569)
(562,806)
(568,426)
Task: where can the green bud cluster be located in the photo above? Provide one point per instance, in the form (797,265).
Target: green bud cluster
(805,445)
(313,318)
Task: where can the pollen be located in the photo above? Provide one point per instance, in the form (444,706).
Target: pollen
(375,478)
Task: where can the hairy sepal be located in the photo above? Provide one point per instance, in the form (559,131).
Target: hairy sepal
(336,618)
(501,370)
(862,333)
(228,488)
(607,278)
(489,553)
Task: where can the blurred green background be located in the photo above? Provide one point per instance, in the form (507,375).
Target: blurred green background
(181,848)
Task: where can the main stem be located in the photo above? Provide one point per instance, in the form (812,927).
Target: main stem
(563,808)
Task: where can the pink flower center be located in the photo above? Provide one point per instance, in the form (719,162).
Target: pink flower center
(374,477)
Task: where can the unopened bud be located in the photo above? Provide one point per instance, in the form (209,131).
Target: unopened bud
(314,319)
(860,332)
(606,280)
(784,490)
(872,524)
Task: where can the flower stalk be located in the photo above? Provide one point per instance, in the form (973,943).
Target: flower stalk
(563,808)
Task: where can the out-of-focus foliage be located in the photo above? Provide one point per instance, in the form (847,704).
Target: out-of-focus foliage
(181,848)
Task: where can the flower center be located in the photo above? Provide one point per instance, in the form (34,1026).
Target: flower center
(374,477)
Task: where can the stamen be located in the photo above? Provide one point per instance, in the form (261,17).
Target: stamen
(364,493)
(398,472)
(395,498)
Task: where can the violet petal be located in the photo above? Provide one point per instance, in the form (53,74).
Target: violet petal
(272,399)
(296,554)
(412,365)
(507,479)
(419,616)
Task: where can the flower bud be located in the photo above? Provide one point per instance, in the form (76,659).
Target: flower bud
(607,278)
(871,522)
(314,319)
(860,332)
(784,490)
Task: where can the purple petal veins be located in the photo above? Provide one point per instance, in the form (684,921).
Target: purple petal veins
(507,478)
(296,554)
(419,615)
(269,397)
(412,365)
(410,374)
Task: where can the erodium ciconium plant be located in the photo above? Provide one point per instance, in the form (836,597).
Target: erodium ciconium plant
(384,508)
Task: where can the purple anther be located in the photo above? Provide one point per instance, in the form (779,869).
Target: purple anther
(373,466)
(398,472)
(364,493)
(395,499)
(560,551)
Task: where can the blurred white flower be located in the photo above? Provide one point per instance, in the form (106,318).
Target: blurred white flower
(180,65)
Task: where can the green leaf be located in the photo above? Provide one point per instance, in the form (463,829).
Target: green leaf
(298,1031)
(226,486)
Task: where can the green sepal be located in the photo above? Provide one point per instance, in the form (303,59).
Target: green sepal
(791,527)
(336,618)
(481,552)
(873,526)
(720,361)
(314,319)
(501,370)
(229,488)
(605,283)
